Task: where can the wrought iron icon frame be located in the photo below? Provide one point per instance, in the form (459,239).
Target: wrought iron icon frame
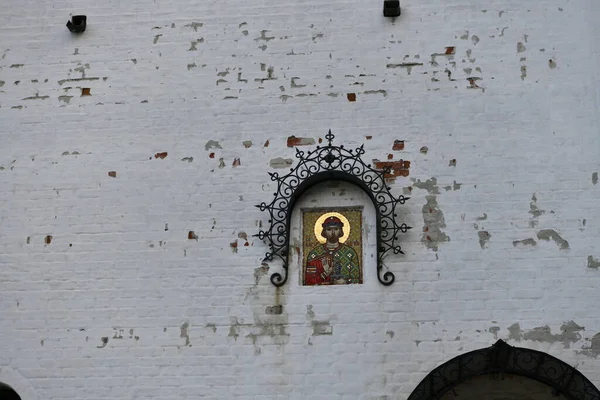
(328,163)
(502,358)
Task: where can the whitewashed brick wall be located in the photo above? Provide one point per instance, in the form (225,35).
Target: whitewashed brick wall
(192,103)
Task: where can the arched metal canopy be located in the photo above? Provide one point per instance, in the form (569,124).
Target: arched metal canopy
(504,358)
(329,163)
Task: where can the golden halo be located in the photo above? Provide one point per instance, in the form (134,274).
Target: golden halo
(319,226)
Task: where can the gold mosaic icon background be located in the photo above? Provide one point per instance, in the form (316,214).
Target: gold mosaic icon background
(339,260)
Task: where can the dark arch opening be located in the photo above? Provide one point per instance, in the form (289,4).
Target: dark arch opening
(7,393)
(501,358)
(329,176)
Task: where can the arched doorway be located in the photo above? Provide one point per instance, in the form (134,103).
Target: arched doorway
(7,393)
(504,372)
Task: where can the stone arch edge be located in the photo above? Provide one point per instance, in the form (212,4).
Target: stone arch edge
(504,358)
(18,383)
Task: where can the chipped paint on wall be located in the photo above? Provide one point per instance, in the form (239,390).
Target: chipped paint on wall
(396,169)
(280,162)
(535,211)
(524,242)
(321,328)
(593,262)
(212,144)
(551,234)
(433,217)
(184,334)
(484,238)
(570,333)
(294,141)
(593,348)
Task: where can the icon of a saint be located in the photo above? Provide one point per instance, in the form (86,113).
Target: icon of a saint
(332,262)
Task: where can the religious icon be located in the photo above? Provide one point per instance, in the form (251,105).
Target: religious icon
(332,247)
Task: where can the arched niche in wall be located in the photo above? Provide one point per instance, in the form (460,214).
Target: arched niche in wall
(326,164)
(341,202)
(503,371)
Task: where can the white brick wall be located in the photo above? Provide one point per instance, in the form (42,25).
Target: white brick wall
(185,319)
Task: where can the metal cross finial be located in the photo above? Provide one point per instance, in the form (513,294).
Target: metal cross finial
(329,137)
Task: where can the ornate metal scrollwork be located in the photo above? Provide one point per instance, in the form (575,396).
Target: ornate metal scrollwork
(324,164)
(503,358)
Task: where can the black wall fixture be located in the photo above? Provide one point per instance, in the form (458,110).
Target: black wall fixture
(325,164)
(77,23)
(502,358)
(391,8)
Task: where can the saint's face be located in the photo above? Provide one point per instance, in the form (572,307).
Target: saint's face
(333,233)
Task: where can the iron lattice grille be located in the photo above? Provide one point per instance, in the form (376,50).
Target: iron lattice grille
(503,358)
(325,164)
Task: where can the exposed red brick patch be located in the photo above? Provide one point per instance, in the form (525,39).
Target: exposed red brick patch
(390,156)
(48,239)
(450,50)
(211,155)
(396,168)
(162,155)
(452,163)
(294,141)
(368,137)
(246,244)
(351,96)
(266,144)
(398,145)
(236,162)
(192,235)
(112,174)
(85,91)
(473,83)
(320,140)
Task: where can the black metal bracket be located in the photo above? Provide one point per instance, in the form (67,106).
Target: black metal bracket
(502,358)
(391,8)
(329,163)
(77,23)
